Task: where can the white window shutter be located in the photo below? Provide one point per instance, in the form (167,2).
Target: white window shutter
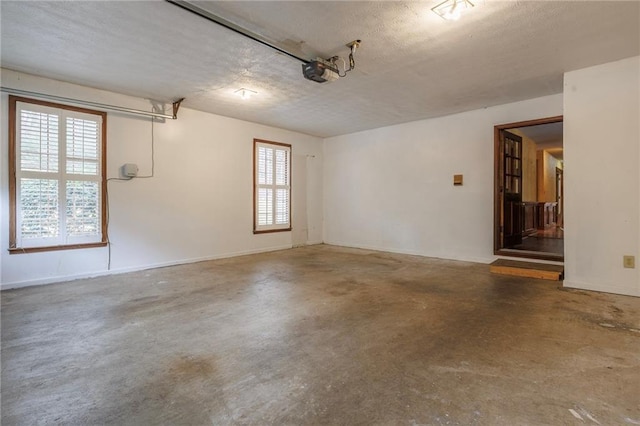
(273,187)
(58,176)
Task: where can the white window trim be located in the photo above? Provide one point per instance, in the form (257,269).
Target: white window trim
(257,229)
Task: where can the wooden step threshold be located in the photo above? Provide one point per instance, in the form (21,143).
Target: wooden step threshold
(517,268)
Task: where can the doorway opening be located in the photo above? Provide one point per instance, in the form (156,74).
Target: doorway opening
(529,189)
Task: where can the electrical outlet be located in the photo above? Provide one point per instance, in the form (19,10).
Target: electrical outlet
(629,261)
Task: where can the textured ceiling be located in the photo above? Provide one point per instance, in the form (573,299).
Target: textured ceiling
(411,65)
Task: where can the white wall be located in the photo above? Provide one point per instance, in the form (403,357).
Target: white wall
(387,189)
(199,204)
(392,188)
(602,158)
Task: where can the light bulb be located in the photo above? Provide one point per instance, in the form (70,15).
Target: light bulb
(245,93)
(452,10)
(452,15)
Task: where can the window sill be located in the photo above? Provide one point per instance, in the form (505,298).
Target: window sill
(25,250)
(268,231)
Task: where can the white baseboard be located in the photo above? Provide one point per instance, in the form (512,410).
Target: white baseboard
(624,290)
(93,274)
(484,260)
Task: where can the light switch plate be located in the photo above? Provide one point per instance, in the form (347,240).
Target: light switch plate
(457,180)
(629,261)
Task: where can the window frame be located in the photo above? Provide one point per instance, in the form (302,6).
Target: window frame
(264,229)
(13,184)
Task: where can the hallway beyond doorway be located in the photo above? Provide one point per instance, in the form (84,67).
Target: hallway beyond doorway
(529,188)
(549,240)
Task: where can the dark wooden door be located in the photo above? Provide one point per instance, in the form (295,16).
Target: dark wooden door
(513,214)
(559,197)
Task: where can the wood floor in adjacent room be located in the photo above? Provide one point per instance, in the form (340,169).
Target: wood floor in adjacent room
(319,335)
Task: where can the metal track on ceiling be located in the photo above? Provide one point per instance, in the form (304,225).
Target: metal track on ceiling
(190,7)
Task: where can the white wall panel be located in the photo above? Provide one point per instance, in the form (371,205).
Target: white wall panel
(602,158)
(197,206)
(392,188)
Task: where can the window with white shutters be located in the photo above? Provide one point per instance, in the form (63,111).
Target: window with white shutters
(57,176)
(272,186)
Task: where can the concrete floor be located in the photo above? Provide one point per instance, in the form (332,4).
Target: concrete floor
(319,335)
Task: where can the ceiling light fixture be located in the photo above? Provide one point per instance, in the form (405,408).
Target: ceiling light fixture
(245,93)
(451,10)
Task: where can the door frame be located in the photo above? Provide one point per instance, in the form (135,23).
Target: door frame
(497,196)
